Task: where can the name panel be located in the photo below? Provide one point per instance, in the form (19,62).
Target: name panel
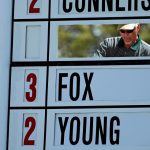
(95,128)
(99,85)
(99,8)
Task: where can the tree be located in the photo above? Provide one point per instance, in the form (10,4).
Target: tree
(76,40)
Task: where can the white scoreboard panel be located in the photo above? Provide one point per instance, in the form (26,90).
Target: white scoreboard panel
(75,103)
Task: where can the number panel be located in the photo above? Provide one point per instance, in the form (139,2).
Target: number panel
(18,131)
(29,9)
(20,87)
(32,45)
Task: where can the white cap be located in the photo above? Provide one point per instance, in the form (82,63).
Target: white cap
(128,26)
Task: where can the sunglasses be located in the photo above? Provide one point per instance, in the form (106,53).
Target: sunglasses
(126,31)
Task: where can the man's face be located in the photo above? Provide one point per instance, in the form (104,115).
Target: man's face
(129,36)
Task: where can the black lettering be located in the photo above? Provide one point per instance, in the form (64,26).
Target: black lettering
(129,5)
(94,3)
(114,139)
(60,85)
(146,8)
(82,6)
(72,128)
(135,5)
(118,8)
(109,5)
(63,128)
(87,87)
(101,131)
(65,9)
(72,89)
(85,141)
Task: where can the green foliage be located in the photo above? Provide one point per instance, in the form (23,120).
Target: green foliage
(109,31)
(145,33)
(75,41)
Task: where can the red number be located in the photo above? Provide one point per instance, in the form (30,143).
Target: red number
(31,96)
(30,131)
(32,9)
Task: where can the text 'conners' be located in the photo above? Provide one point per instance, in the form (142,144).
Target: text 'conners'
(95,6)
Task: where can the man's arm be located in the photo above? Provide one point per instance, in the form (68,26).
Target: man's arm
(106,47)
(102,50)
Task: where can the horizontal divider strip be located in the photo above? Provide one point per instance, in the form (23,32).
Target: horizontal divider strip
(81,107)
(81,63)
(82,19)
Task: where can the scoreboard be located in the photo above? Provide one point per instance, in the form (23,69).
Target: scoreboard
(75,103)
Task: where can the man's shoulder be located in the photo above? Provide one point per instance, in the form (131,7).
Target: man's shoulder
(145,44)
(112,41)
(145,48)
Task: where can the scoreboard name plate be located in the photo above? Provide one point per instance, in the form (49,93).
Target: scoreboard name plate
(58,102)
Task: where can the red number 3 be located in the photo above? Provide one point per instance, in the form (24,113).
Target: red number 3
(30,131)
(33,9)
(31,96)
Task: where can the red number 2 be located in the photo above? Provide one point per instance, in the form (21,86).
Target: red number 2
(31,96)
(30,131)
(32,9)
